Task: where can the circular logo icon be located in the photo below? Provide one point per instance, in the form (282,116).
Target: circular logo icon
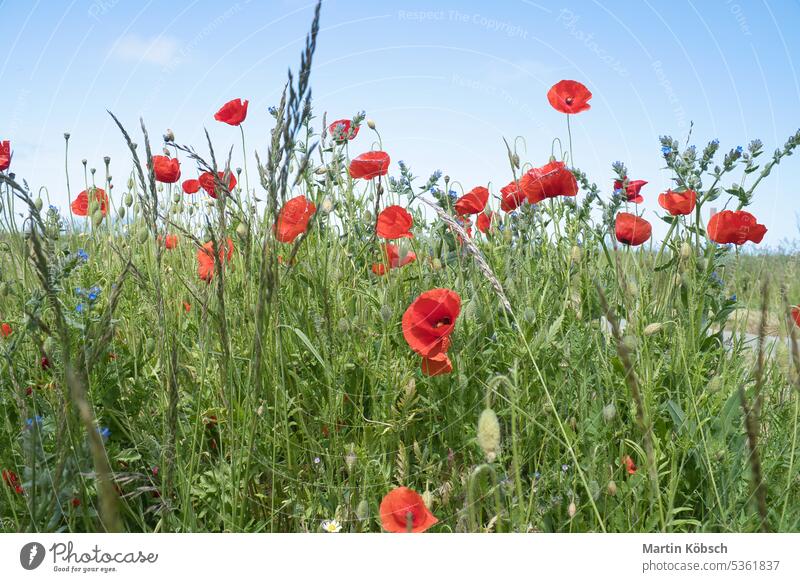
(31,555)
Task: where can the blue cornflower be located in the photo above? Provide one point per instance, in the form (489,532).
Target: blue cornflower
(453,194)
(565,468)
(272,110)
(739,149)
(94,293)
(733,297)
(79,291)
(35,420)
(436,174)
(105,432)
(715,141)
(666,150)
(79,308)
(53,209)
(82,255)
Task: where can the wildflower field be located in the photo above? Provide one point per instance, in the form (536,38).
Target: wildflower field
(319,340)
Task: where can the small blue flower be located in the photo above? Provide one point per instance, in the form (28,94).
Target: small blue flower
(733,297)
(79,291)
(105,432)
(317,460)
(715,141)
(738,149)
(94,293)
(82,255)
(565,468)
(79,308)
(436,175)
(53,209)
(666,150)
(35,420)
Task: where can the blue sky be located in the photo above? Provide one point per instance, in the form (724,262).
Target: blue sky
(445,81)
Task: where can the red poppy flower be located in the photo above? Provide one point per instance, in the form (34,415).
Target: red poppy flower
(796,315)
(44,362)
(208,183)
(403,510)
(233,112)
(6,330)
(340,130)
(394,222)
(438,364)
(630,466)
(551,180)
(473,201)
(393,259)
(187,307)
(293,218)
(735,226)
(511,196)
(484,221)
(569,97)
(11,479)
(205,259)
(678,202)
(167,170)
(170,241)
(370,165)
(5,155)
(429,321)
(631,190)
(191,186)
(80,206)
(631,229)
(75,502)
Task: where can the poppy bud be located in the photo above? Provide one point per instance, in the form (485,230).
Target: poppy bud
(611,488)
(327,206)
(350,459)
(371,123)
(84,162)
(630,342)
(515,160)
(241,231)
(572,509)
(714,385)
(653,328)
(436,264)
(609,412)
(93,171)
(362,510)
(143,235)
(106,160)
(169,136)
(427,499)
(686,251)
(121,212)
(368,216)
(489,434)
(386,313)
(39,204)
(128,200)
(176,197)
(93,207)
(507,235)
(131,183)
(577,254)
(66,136)
(97,217)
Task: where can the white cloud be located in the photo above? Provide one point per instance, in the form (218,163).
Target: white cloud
(158,50)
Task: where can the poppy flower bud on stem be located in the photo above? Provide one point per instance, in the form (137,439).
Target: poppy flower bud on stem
(576,254)
(371,123)
(609,412)
(362,510)
(653,328)
(572,509)
(489,434)
(611,488)
(241,231)
(686,251)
